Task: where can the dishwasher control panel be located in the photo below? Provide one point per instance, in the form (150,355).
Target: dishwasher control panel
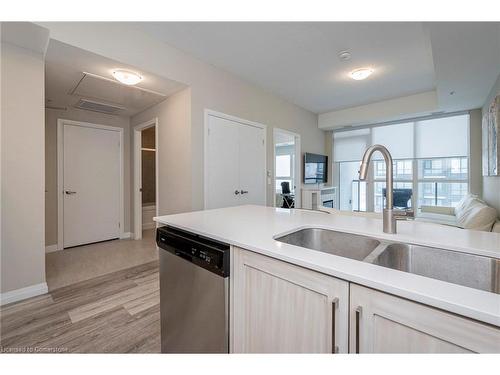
(204,252)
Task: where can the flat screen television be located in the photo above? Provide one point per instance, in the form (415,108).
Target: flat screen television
(315,168)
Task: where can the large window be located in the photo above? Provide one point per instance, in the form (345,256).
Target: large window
(430,163)
(284,166)
(442,181)
(353,193)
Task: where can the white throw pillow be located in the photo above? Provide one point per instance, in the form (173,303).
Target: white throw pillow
(464,203)
(477,215)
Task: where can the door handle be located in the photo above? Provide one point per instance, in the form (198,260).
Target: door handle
(335,305)
(236,192)
(69,192)
(244,192)
(358,315)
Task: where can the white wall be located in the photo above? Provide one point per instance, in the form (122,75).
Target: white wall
(211,88)
(475,153)
(22,168)
(174,151)
(51,117)
(491,185)
(387,110)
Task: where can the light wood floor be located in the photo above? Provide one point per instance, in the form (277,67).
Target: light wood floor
(70,266)
(115,313)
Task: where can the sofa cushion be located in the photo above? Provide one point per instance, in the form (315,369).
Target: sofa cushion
(476,215)
(440,210)
(437,219)
(464,203)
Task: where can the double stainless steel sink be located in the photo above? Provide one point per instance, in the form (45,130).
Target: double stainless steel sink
(469,270)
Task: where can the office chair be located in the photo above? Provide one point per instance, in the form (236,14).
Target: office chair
(401,197)
(286,194)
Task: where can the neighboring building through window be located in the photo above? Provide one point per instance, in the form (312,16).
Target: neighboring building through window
(442,182)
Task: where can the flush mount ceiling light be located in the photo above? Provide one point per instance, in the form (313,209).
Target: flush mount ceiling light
(360,74)
(127,77)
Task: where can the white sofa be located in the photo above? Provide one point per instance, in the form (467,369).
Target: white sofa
(470,213)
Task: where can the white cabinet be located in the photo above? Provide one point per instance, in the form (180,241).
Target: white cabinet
(281,308)
(382,323)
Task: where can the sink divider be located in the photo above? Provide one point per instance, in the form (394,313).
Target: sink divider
(376,252)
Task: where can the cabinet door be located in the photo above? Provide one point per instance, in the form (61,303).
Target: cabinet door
(281,308)
(382,323)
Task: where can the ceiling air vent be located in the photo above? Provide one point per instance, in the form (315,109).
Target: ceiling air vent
(92,105)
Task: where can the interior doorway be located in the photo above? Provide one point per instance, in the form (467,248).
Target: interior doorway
(145,176)
(90,183)
(287,173)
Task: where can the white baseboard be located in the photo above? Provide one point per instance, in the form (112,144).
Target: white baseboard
(51,248)
(23,293)
(125,235)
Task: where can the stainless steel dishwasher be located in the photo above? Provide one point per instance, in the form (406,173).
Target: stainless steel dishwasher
(194,292)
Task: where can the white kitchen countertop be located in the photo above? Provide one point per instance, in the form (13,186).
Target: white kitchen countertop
(254,228)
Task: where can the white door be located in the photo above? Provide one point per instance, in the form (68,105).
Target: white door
(222,163)
(252,156)
(91,185)
(235,164)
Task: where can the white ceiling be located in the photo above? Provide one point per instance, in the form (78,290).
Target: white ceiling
(299,61)
(66,83)
(466,62)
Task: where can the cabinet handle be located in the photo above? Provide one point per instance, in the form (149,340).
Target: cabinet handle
(236,192)
(335,305)
(358,315)
(244,192)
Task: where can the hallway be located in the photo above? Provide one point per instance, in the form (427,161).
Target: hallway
(81,263)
